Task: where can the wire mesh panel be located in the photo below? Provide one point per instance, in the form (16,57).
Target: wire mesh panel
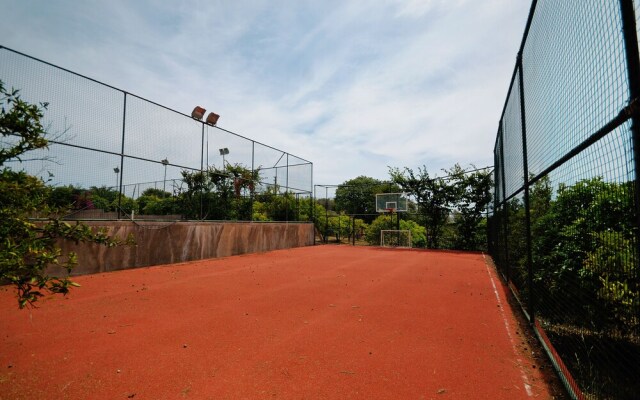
(156,133)
(512,142)
(326,197)
(299,174)
(498,173)
(575,76)
(498,239)
(571,251)
(586,276)
(80,112)
(223,148)
(515,242)
(636,6)
(270,162)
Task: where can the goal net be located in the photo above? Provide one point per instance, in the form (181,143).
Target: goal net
(395,238)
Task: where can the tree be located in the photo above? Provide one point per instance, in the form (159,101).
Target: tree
(280,206)
(63,196)
(358,195)
(452,208)
(434,198)
(151,205)
(342,226)
(219,194)
(156,192)
(472,197)
(28,248)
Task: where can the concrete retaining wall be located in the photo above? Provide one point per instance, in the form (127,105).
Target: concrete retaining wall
(166,243)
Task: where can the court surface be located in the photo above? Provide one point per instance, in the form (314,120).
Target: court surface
(322,322)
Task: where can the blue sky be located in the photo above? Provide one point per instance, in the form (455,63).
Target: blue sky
(352,86)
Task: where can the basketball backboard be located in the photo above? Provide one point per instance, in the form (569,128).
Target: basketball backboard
(387,201)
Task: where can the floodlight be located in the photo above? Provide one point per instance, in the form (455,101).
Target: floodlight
(164,162)
(198,112)
(212,118)
(224,151)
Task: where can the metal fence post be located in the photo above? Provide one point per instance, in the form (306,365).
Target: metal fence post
(286,193)
(353,230)
(505,225)
(313,213)
(202,171)
(326,214)
(252,187)
(124,124)
(312,204)
(527,204)
(633,74)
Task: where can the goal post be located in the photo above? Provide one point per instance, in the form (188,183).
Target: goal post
(395,238)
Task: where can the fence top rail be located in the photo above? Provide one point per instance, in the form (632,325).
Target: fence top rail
(147,100)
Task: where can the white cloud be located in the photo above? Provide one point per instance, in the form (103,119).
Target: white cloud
(351,86)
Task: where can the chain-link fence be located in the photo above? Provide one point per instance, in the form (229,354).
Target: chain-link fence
(446,212)
(113,154)
(337,222)
(564,224)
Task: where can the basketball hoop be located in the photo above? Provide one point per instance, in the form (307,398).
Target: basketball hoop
(392,203)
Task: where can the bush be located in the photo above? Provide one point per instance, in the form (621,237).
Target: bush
(372,233)
(583,253)
(418,233)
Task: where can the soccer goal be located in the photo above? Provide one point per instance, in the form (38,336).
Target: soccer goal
(395,238)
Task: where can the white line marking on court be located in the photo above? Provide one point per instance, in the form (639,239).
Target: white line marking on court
(525,380)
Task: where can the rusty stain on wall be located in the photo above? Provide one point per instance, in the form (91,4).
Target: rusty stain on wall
(159,243)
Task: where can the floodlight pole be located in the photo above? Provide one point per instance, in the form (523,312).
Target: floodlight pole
(164,162)
(117,171)
(224,151)
(202,171)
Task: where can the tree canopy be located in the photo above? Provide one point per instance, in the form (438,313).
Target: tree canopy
(459,195)
(358,195)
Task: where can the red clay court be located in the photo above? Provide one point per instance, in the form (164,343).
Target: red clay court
(322,322)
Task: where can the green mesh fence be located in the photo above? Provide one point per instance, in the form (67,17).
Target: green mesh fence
(564,224)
